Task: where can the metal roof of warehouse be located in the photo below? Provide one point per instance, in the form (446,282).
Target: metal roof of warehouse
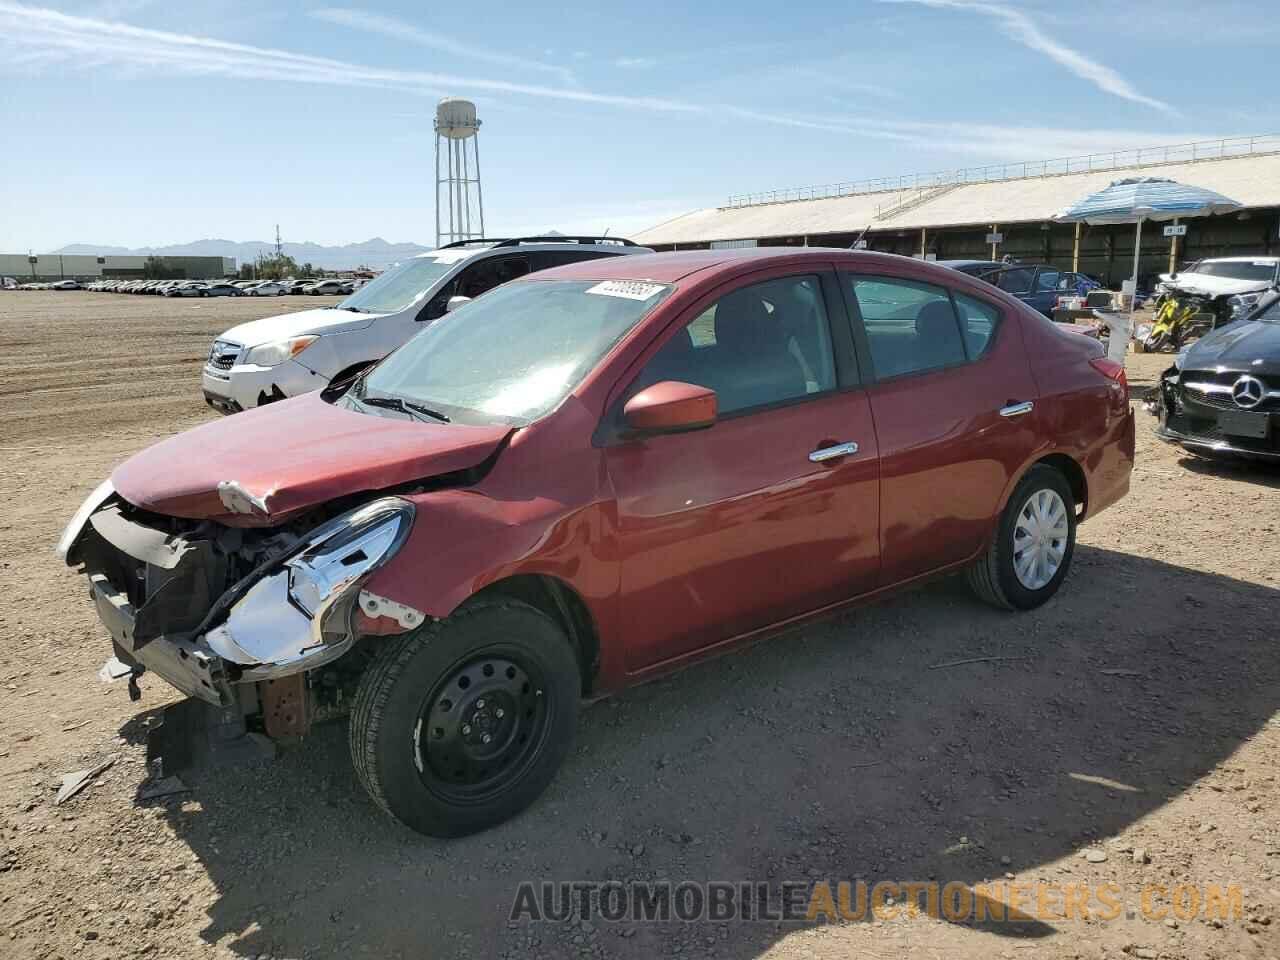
(1253,180)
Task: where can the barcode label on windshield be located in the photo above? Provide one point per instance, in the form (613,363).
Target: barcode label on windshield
(627,289)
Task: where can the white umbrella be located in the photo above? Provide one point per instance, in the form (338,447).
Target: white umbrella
(1134,200)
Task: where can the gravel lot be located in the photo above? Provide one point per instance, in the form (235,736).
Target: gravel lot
(1136,712)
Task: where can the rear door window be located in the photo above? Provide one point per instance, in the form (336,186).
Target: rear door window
(978,322)
(546,259)
(911,327)
(1047,280)
(489,273)
(1016,280)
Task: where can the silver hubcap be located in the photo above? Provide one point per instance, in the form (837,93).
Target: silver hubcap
(1040,539)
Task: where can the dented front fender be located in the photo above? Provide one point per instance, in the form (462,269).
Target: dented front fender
(463,541)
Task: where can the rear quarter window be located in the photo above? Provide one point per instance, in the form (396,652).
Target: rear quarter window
(978,324)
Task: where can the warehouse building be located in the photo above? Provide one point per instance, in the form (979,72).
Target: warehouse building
(992,212)
(58,266)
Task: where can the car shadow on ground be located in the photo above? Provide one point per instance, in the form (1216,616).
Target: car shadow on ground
(1258,472)
(855,749)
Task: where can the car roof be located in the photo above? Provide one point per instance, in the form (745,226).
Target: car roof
(1239,260)
(954,264)
(678,265)
(457,254)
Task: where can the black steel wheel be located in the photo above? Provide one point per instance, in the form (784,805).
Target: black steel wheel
(480,726)
(462,723)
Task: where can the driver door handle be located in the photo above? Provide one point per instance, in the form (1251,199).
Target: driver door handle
(1017,409)
(832,453)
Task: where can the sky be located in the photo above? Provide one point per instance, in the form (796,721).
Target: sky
(134,122)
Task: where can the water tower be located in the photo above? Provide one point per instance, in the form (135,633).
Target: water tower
(459,200)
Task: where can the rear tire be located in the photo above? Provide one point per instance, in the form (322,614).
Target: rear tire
(1030,555)
(462,723)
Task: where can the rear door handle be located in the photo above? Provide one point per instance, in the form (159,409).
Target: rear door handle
(1017,409)
(831,453)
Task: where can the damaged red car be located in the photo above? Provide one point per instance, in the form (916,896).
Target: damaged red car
(589,477)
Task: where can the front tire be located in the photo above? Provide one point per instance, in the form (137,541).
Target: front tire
(462,723)
(1031,553)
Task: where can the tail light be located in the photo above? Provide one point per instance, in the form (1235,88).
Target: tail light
(1112,370)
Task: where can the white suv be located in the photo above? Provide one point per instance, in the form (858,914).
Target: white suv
(278,357)
(1240,281)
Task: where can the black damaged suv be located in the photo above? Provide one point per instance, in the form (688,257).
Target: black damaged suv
(1222,395)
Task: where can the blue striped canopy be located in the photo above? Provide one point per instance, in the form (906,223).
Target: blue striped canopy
(1146,198)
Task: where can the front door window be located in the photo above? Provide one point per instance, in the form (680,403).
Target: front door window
(759,346)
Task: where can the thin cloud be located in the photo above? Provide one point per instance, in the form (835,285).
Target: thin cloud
(397,29)
(1022,28)
(32,37)
(635,63)
(28,29)
(835,74)
(1016,144)
(993,143)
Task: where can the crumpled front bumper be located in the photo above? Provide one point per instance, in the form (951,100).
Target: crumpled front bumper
(163,598)
(1211,446)
(189,665)
(1193,426)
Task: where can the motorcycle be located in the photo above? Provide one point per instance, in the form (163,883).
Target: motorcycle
(1178,318)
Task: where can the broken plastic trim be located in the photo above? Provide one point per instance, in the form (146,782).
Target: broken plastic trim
(375,606)
(100,495)
(239,500)
(287,620)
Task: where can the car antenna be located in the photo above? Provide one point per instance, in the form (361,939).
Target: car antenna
(854,245)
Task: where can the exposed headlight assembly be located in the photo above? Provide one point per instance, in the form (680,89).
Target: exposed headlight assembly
(273,354)
(297,617)
(1242,303)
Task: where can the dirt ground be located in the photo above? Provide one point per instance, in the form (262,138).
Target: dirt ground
(1130,736)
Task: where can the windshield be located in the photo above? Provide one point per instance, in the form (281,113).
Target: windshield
(401,286)
(512,355)
(1271,311)
(1260,270)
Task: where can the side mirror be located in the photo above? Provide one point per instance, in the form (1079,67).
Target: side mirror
(671,407)
(454,303)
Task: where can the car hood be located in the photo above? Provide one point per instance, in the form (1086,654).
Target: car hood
(268,464)
(1203,285)
(1250,346)
(270,329)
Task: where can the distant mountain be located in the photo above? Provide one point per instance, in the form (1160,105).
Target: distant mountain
(376,253)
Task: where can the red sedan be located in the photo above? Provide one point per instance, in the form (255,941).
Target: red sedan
(589,477)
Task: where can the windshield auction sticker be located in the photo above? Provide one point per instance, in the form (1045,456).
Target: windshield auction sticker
(626,289)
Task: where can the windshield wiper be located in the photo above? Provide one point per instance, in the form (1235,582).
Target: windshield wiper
(405,406)
(352,309)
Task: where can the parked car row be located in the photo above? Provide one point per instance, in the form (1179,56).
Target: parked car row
(313,286)
(582,479)
(46,285)
(1039,285)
